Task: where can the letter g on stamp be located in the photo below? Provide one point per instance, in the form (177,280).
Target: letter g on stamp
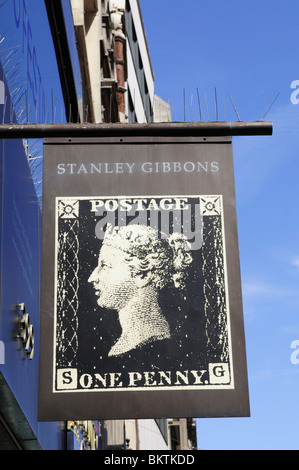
(219,373)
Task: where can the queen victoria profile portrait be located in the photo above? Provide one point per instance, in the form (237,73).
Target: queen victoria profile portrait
(135,264)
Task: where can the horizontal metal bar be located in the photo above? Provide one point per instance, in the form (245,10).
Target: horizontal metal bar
(238,128)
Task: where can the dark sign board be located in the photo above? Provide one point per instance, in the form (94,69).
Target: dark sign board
(141,313)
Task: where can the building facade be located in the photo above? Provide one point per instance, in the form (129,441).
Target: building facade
(61,61)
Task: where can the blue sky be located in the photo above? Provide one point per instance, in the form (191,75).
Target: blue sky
(249,50)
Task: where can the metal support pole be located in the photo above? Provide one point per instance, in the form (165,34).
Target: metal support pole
(206,129)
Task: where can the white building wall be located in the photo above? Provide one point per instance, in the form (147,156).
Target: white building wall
(162,112)
(144,434)
(150,436)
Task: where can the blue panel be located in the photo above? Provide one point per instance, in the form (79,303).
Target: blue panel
(32,92)
(51,436)
(20,272)
(20,280)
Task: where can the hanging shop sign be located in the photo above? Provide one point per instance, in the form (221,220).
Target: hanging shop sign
(141,312)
